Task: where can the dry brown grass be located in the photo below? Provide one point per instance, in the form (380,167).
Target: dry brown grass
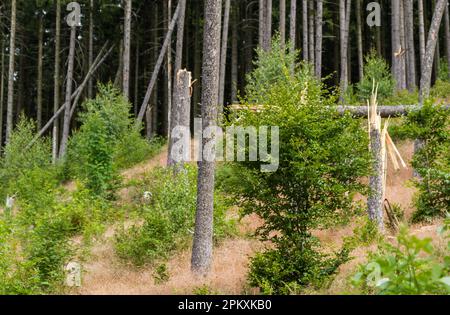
(104,274)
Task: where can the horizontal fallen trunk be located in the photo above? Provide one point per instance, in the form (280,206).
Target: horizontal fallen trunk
(356,111)
(384,111)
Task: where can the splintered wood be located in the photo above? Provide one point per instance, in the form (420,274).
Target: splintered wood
(381,145)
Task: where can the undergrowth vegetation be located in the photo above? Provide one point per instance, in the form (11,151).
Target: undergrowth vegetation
(166,217)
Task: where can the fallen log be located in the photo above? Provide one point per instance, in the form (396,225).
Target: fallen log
(356,111)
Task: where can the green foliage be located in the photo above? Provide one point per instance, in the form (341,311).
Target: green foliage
(444,70)
(441,89)
(409,268)
(161,274)
(365,233)
(272,67)
(432,160)
(322,156)
(167,219)
(19,161)
(403,97)
(107,141)
(376,70)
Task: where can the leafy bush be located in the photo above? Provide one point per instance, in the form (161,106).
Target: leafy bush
(132,149)
(322,156)
(19,159)
(403,97)
(376,69)
(409,268)
(432,160)
(168,218)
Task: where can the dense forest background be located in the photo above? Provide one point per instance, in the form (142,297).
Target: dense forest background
(333,36)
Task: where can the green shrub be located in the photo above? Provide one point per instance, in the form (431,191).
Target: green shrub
(376,70)
(409,268)
(322,156)
(431,161)
(403,97)
(19,160)
(133,149)
(167,219)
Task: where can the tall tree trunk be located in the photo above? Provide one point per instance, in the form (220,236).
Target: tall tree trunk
(178,54)
(223,58)
(410,50)
(262,23)
(136,76)
(2,78)
(422,38)
(203,235)
(403,46)
(67,104)
(359,40)
(40,70)
(311,39)
(398,51)
(293,24)
(268,27)
(12,49)
(344,19)
(127,49)
(305,31)
(319,26)
(197,62)
(447,37)
(91,47)
(425,81)
(283,23)
(169,71)
(56,79)
(234,56)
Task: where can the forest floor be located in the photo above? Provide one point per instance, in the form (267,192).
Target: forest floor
(104,274)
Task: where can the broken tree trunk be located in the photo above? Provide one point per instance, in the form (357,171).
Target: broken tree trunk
(375,200)
(179,149)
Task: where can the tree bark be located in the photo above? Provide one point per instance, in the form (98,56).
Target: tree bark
(69,83)
(421,33)
(410,50)
(319,33)
(158,66)
(2,78)
(344,19)
(180,116)
(91,47)
(425,81)
(268,37)
(40,70)
(305,31)
(223,57)
(234,56)
(203,235)
(262,23)
(447,37)
(12,49)
(293,25)
(398,50)
(359,40)
(283,23)
(311,39)
(56,79)
(169,69)
(375,200)
(127,50)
